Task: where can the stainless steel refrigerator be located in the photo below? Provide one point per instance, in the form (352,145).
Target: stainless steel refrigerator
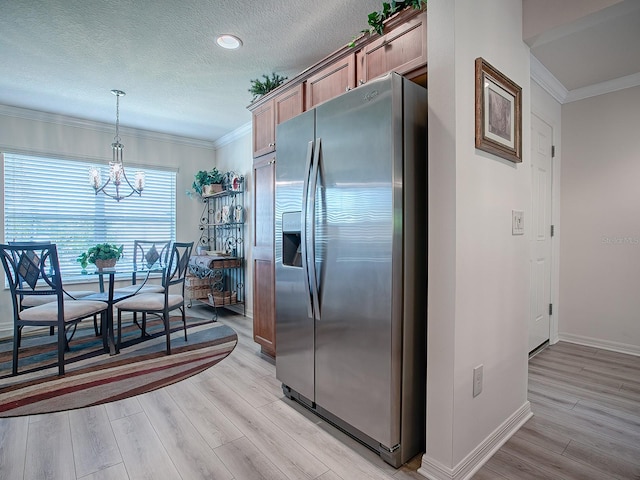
(350,263)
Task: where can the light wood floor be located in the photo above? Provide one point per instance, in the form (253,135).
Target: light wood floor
(232,422)
(586,424)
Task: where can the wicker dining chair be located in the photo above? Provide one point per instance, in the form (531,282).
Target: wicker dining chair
(33,270)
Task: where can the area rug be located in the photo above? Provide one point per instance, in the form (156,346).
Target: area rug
(93,377)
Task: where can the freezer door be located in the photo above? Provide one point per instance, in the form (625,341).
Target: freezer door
(358,234)
(294,316)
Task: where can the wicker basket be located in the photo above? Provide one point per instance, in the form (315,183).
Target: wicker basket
(108,263)
(223,298)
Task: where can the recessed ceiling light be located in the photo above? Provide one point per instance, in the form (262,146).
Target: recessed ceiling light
(229,41)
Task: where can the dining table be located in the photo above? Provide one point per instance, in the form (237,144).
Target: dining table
(111,296)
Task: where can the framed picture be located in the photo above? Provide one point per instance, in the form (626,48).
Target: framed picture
(498,113)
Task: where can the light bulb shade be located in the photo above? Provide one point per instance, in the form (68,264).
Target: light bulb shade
(139,181)
(115,172)
(95,179)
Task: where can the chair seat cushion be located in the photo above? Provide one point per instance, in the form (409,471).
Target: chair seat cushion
(145,289)
(149,302)
(35,300)
(73,310)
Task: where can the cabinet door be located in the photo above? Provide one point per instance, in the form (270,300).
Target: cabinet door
(264,311)
(402,50)
(331,81)
(289,104)
(263,126)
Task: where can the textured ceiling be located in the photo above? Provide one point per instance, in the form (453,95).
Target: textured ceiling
(64,56)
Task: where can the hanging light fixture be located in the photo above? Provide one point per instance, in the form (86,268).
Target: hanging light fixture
(117,175)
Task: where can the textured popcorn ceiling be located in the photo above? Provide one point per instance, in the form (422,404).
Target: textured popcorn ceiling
(64,56)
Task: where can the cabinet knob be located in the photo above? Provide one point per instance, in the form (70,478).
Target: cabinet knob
(272,144)
(347,89)
(361,82)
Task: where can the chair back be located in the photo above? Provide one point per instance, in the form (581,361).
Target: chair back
(148,253)
(32,269)
(26,242)
(178,266)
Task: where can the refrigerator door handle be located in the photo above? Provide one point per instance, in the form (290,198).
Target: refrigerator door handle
(312,241)
(303,230)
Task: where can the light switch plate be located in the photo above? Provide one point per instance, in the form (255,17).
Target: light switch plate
(517,222)
(477,380)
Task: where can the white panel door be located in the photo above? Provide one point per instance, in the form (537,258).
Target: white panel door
(539,319)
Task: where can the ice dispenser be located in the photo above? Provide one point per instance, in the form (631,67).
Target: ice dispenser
(291,239)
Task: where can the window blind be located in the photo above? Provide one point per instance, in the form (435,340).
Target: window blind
(50,199)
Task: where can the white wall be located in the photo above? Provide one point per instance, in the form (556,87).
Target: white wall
(478,292)
(237,155)
(600,243)
(26,131)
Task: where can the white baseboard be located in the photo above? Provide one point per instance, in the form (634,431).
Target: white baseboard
(434,470)
(599,343)
(6,332)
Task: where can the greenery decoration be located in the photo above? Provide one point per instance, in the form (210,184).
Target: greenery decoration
(376,19)
(259,88)
(206,177)
(102,251)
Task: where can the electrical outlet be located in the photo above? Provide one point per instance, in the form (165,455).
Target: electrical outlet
(477,380)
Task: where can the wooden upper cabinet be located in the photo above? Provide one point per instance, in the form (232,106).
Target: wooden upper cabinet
(402,50)
(331,81)
(266,116)
(264,129)
(289,104)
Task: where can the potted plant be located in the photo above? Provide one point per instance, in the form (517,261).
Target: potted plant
(376,19)
(102,255)
(259,88)
(207,182)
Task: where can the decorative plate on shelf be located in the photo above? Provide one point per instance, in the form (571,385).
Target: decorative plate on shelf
(237,214)
(217,216)
(234,182)
(225,214)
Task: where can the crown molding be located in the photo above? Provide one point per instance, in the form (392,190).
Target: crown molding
(609,86)
(36,115)
(553,87)
(230,137)
(546,80)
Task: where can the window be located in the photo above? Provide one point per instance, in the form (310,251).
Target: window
(48,199)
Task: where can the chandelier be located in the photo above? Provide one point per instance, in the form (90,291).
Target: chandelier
(117,175)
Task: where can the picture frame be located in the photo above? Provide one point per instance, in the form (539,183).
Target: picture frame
(498,113)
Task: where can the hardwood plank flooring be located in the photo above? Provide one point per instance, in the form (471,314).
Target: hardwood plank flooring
(13,446)
(586,422)
(49,451)
(94,445)
(232,422)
